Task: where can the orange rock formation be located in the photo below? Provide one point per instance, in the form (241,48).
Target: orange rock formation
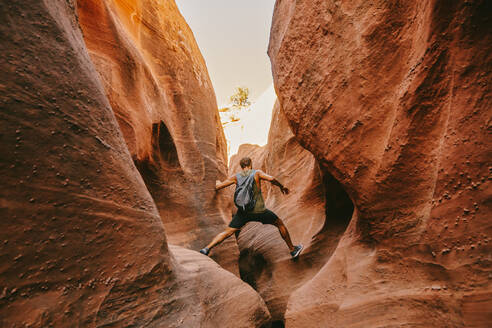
(82,240)
(111,146)
(393,99)
(158,86)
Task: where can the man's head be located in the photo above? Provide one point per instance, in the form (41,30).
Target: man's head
(245,162)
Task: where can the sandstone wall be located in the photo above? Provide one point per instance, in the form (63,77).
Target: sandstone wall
(82,243)
(158,86)
(393,99)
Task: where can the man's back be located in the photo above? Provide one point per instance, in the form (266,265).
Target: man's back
(259,206)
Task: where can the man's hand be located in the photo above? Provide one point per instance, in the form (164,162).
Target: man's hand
(275,182)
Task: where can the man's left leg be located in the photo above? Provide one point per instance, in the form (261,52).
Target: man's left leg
(269,217)
(284,233)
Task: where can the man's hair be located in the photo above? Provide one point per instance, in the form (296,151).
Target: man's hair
(245,161)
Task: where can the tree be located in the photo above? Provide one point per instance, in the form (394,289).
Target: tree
(240,98)
(239,101)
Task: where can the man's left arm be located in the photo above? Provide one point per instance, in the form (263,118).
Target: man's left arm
(273,181)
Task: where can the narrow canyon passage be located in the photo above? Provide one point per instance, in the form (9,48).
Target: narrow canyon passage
(113,144)
(172,159)
(317,212)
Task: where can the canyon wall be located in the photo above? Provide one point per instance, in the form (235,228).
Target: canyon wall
(158,86)
(393,100)
(112,146)
(82,241)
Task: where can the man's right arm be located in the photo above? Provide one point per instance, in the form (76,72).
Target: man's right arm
(226,183)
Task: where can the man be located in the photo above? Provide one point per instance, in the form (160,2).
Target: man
(259,213)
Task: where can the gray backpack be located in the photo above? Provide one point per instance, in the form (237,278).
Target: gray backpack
(244,194)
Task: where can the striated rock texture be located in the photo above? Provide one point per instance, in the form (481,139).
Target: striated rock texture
(82,243)
(316,212)
(158,86)
(393,99)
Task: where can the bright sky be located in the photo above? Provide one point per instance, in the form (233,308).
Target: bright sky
(233,38)
(253,124)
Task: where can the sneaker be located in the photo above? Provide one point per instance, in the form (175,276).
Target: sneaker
(297,250)
(205,251)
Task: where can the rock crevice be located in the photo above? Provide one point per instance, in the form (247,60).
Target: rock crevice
(317,212)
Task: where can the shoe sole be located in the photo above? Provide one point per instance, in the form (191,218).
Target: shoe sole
(298,252)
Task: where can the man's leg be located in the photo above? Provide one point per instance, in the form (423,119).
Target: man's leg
(221,237)
(237,222)
(284,233)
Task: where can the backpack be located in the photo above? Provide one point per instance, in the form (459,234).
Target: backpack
(244,194)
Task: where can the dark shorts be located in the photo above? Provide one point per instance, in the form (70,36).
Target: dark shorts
(241,218)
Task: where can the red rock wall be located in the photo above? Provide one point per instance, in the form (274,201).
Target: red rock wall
(157,83)
(393,99)
(82,243)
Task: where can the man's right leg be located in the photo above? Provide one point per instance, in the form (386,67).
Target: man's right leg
(221,237)
(218,239)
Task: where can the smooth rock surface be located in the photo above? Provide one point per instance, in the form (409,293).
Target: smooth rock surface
(82,242)
(158,86)
(393,99)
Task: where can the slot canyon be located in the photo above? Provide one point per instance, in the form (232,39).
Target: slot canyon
(112,144)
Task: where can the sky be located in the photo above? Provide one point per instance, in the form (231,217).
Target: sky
(233,38)
(253,124)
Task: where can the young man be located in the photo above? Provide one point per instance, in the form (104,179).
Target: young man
(259,213)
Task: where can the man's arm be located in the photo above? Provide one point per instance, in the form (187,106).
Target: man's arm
(226,183)
(273,181)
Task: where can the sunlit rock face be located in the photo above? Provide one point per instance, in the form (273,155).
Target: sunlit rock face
(82,243)
(316,213)
(393,99)
(158,86)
